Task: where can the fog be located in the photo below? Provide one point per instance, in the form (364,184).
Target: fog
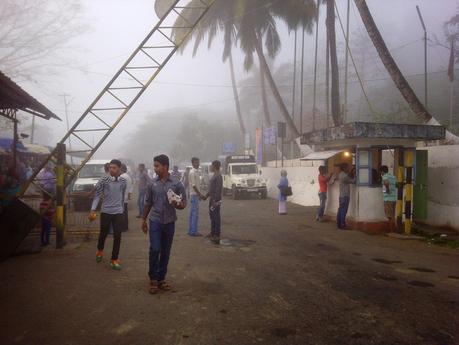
(201,85)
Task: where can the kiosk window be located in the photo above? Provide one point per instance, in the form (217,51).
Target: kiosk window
(368,163)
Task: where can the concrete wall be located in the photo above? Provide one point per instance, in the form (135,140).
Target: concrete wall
(443,186)
(302,177)
(369,201)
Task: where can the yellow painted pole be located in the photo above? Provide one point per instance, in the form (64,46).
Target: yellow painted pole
(60,181)
(408,190)
(399,203)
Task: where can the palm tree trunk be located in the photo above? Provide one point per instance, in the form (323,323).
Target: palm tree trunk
(236,96)
(264,98)
(391,66)
(272,84)
(335,101)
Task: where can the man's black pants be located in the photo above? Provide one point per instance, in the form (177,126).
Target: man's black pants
(215,221)
(125,217)
(116,221)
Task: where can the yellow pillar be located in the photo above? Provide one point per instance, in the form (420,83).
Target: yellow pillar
(408,190)
(399,203)
(60,180)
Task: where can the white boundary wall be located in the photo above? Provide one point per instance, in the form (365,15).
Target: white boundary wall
(302,176)
(443,188)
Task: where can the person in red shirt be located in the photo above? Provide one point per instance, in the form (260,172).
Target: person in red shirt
(47,214)
(323,187)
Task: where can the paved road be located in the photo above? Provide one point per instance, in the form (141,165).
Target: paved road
(282,280)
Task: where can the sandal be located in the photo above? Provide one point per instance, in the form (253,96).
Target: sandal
(154,288)
(164,286)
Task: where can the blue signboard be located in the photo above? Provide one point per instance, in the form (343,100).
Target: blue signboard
(229,148)
(269,136)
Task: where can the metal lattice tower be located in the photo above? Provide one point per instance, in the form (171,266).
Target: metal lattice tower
(128,84)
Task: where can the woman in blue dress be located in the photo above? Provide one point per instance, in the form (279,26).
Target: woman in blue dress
(283,184)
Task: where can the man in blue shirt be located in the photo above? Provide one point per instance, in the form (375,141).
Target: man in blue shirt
(164,195)
(215,194)
(112,188)
(389,184)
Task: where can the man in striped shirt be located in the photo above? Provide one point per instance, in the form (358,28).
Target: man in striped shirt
(112,189)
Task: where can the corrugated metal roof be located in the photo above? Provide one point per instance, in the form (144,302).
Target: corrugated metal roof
(12,96)
(320,155)
(38,149)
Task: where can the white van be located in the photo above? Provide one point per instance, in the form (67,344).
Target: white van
(83,188)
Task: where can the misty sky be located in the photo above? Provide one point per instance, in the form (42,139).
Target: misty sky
(117,26)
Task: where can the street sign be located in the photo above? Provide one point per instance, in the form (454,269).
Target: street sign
(229,148)
(269,136)
(281,130)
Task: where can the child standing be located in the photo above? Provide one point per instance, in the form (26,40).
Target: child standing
(47,214)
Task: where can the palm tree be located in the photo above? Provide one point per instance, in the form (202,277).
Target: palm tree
(391,66)
(252,23)
(331,37)
(253,29)
(216,20)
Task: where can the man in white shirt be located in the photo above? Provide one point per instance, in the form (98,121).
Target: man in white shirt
(127,195)
(195,196)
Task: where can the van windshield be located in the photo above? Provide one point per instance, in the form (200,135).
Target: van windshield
(244,169)
(92,170)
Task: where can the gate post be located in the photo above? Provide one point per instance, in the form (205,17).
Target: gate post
(400,185)
(408,190)
(60,180)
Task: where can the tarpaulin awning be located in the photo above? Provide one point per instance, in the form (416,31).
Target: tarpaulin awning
(12,96)
(320,155)
(7,144)
(37,149)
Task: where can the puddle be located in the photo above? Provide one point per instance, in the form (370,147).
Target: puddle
(420,283)
(327,247)
(340,262)
(387,262)
(385,277)
(282,332)
(422,269)
(236,243)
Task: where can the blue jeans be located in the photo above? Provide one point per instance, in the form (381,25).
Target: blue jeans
(342,211)
(161,237)
(141,200)
(194,215)
(322,199)
(45,231)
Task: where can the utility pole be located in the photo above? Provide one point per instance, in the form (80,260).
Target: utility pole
(66,103)
(315,70)
(32,131)
(346,63)
(294,89)
(451,84)
(425,54)
(302,80)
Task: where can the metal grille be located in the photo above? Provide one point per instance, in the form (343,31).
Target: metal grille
(127,85)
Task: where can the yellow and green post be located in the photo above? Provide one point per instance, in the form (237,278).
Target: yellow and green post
(60,191)
(400,178)
(408,190)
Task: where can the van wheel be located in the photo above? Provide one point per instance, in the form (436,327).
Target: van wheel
(234,193)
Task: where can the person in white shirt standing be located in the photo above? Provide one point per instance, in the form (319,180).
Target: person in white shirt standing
(194,181)
(127,195)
